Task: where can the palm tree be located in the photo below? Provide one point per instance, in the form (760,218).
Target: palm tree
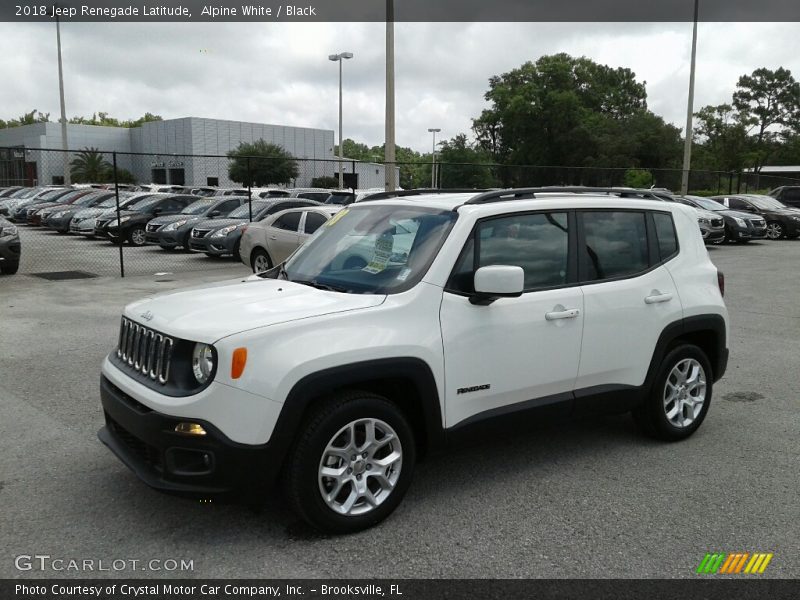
(89,166)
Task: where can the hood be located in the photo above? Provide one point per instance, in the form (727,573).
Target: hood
(86,213)
(706,214)
(167,219)
(738,214)
(217,223)
(209,313)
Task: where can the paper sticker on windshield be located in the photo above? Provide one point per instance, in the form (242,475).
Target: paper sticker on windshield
(332,221)
(404,274)
(381,256)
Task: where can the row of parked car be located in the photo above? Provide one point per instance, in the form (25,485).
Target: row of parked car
(263,229)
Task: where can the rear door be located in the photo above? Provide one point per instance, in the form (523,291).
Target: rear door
(629,297)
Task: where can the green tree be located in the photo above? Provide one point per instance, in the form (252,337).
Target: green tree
(464,165)
(267,164)
(325,181)
(89,166)
(768,102)
(722,139)
(638,178)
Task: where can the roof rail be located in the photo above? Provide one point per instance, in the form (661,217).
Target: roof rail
(419,192)
(528,193)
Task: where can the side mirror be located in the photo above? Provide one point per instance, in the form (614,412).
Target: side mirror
(157,211)
(214,213)
(497,281)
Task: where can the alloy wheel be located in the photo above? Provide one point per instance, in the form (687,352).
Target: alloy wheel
(260,263)
(774,231)
(138,237)
(685,392)
(360,467)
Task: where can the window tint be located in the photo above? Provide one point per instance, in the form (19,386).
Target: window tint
(616,244)
(314,221)
(737,203)
(320,196)
(665,231)
(289,221)
(792,194)
(538,243)
(225,207)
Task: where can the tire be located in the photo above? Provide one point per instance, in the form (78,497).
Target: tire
(185,243)
(653,416)
(9,268)
(260,260)
(775,230)
(324,436)
(137,237)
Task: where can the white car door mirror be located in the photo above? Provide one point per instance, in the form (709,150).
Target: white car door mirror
(497,281)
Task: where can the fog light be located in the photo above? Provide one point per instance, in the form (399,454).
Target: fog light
(190,428)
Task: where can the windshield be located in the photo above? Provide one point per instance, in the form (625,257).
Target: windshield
(123,201)
(24,193)
(243,212)
(144,204)
(766,202)
(86,199)
(197,208)
(707,203)
(51,195)
(374,250)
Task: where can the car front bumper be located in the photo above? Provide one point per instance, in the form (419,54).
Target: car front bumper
(221,246)
(749,232)
(167,239)
(194,465)
(10,249)
(59,223)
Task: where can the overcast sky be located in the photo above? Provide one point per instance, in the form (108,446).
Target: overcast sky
(279,73)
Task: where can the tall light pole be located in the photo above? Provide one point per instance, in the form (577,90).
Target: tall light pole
(687,144)
(434,131)
(64,144)
(340,58)
(389,158)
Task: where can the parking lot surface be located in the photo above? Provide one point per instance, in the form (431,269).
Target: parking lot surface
(587,499)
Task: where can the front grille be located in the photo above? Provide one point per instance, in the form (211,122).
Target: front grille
(759,224)
(151,228)
(200,233)
(99,224)
(145,350)
(145,452)
(717,222)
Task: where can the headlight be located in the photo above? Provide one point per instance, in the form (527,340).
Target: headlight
(59,214)
(123,219)
(703,220)
(795,218)
(226,230)
(175,225)
(740,222)
(202,362)
(9,230)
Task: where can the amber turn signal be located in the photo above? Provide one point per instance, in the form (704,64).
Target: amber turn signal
(238,362)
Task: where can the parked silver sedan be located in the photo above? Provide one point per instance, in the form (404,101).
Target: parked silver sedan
(269,242)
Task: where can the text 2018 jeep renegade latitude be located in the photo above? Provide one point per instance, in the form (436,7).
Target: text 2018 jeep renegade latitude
(404,322)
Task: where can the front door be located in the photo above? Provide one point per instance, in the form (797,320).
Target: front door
(515,350)
(283,236)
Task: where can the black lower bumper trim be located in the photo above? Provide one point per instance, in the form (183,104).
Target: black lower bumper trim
(146,441)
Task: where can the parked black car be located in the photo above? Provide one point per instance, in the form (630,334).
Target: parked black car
(739,226)
(781,221)
(787,194)
(133,220)
(172,231)
(10,248)
(221,237)
(35,210)
(7,191)
(59,217)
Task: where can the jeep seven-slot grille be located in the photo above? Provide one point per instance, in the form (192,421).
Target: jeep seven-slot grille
(145,350)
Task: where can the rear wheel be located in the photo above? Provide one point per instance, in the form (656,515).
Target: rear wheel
(260,260)
(680,395)
(8,267)
(352,463)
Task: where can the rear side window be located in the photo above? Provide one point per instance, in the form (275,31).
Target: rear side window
(615,244)
(665,232)
(289,221)
(313,222)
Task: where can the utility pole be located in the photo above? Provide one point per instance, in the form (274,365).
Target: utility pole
(389,153)
(64,143)
(340,58)
(433,156)
(687,144)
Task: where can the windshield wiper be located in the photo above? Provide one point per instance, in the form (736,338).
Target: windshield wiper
(321,286)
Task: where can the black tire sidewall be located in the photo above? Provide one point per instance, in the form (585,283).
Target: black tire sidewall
(655,403)
(255,254)
(306,464)
(130,236)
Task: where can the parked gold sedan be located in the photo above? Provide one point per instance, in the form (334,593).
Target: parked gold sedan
(269,242)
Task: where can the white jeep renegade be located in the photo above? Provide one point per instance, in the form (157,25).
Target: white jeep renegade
(334,375)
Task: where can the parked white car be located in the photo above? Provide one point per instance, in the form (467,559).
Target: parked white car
(472,309)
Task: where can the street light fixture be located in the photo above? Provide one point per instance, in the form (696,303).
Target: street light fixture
(434,131)
(340,58)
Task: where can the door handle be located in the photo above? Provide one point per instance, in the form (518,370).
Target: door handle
(656,298)
(570,313)
(272,237)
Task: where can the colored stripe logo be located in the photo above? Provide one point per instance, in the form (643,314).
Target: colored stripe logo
(721,563)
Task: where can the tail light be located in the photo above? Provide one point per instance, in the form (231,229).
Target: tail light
(721,282)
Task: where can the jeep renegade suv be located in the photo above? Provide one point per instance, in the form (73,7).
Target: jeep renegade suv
(333,376)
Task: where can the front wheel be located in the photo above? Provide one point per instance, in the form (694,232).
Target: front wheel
(8,267)
(680,396)
(774,230)
(352,463)
(137,236)
(260,261)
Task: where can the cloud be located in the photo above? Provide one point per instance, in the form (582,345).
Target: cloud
(279,73)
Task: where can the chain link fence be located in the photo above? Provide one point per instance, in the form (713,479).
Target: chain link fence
(91,228)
